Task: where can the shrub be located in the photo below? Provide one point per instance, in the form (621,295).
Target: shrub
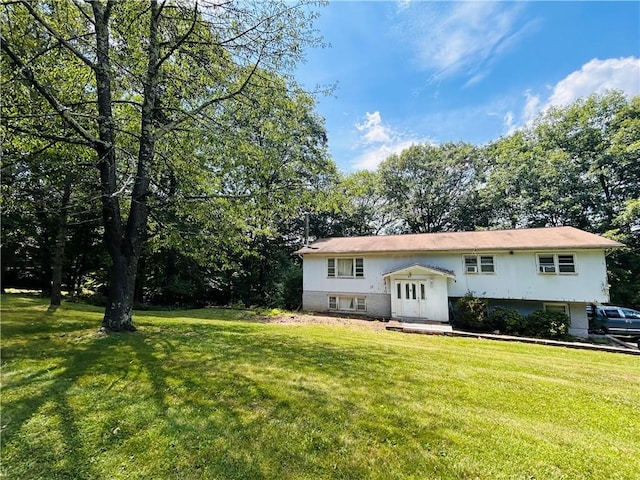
(506,320)
(471,313)
(547,324)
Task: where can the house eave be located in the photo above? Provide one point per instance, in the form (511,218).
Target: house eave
(421,269)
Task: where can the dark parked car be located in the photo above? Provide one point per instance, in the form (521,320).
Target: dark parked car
(612,319)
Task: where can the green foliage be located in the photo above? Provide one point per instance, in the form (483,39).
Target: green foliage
(471,313)
(141,85)
(426,186)
(508,321)
(547,324)
(292,288)
(212,393)
(576,165)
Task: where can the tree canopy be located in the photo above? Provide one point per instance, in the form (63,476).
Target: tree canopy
(125,79)
(161,152)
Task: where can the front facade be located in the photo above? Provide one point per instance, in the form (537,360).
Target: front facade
(418,277)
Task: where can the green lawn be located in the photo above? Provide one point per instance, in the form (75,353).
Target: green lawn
(211,394)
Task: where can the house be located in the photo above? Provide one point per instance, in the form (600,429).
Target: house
(418,277)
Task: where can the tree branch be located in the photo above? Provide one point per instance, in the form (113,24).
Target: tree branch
(62,110)
(170,126)
(49,136)
(56,35)
(181,41)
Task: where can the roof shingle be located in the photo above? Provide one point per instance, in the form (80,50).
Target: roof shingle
(557,238)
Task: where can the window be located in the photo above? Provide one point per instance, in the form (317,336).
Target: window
(470,264)
(333,303)
(347,304)
(612,313)
(345,267)
(359,267)
(566,264)
(556,307)
(546,264)
(486,264)
(331,267)
(479,264)
(628,313)
(552,263)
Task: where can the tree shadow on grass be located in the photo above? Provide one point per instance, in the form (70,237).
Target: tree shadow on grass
(39,424)
(202,400)
(258,406)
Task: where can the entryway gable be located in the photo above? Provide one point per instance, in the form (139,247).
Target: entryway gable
(418,269)
(420,292)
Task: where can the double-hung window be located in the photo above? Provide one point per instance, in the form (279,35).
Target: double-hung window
(555,263)
(347,303)
(479,264)
(345,267)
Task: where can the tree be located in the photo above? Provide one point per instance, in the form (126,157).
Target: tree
(426,185)
(43,194)
(576,165)
(256,182)
(141,70)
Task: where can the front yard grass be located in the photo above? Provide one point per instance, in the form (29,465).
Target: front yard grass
(211,394)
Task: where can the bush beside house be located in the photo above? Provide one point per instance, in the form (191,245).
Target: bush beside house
(472,314)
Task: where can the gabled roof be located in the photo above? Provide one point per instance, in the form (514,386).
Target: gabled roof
(421,269)
(556,238)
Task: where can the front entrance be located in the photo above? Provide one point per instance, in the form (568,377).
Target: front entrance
(411,296)
(420,292)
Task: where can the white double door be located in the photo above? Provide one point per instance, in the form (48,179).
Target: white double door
(411,298)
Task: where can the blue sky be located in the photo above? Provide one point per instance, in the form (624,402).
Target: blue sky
(415,71)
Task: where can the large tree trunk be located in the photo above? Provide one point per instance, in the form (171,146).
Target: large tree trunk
(117,315)
(119,309)
(124,245)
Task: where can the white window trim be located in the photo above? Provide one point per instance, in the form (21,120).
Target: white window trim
(357,301)
(556,263)
(354,261)
(477,268)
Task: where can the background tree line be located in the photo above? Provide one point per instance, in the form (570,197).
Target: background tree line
(162,153)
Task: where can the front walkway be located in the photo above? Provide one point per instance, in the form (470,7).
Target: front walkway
(446,329)
(431,327)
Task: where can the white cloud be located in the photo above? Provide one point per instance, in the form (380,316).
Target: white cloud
(461,37)
(379,141)
(374,130)
(594,77)
(531,106)
(597,76)
(508,123)
(373,157)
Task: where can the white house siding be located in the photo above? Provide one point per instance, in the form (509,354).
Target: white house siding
(516,276)
(579,321)
(516,282)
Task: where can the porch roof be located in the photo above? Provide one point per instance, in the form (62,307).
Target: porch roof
(421,269)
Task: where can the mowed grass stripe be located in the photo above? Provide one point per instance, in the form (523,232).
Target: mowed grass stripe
(212,394)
